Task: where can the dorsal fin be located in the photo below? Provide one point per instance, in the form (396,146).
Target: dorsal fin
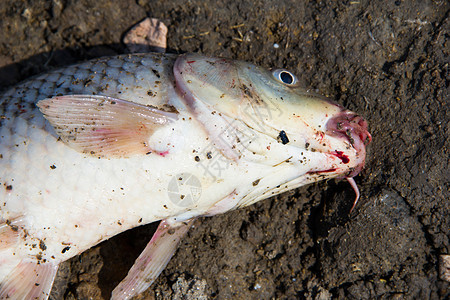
(104,126)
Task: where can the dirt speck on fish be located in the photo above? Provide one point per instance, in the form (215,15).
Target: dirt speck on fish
(135,139)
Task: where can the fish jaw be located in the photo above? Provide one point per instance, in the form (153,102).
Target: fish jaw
(343,141)
(353,128)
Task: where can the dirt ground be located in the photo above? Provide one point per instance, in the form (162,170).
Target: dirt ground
(387,60)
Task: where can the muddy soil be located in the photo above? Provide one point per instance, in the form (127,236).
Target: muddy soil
(387,60)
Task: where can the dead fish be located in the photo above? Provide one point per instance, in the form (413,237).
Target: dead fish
(94,149)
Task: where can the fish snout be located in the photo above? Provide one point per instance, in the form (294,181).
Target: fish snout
(353,128)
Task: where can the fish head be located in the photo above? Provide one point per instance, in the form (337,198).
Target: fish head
(329,139)
(308,120)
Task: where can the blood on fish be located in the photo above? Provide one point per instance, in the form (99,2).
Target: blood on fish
(320,135)
(342,156)
(322,171)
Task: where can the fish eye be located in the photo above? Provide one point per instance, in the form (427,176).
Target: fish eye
(284,76)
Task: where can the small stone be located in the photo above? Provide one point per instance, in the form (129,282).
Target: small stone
(149,35)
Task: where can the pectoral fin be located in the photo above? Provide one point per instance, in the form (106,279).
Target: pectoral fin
(9,235)
(29,280)
(103,126)
(21,278)
(152,260)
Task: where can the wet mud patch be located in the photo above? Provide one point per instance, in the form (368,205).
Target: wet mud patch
(385,225)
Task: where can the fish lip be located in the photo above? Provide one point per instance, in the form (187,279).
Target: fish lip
(353,128)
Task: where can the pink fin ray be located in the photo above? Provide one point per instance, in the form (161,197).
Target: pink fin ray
(9,235)
(104,126)
(29,280)
(11,231)
(152,260)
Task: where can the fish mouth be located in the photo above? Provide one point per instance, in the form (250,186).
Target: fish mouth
(352,127)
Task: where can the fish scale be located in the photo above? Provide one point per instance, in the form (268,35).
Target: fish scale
(94,149)
(25,133)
